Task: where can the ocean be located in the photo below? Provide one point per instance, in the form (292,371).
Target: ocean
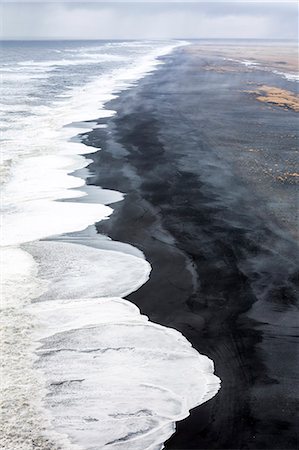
(82,367)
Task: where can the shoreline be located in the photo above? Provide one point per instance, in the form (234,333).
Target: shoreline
(204,281)
(49,314)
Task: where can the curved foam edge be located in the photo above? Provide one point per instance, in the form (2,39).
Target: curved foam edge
(95,349)
(101,351)
(87,271)
(30,192)
(45,318)
(91,238)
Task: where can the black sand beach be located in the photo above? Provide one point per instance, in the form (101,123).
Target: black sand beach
(199,160)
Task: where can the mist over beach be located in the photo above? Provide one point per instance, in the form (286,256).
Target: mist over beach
(149,240)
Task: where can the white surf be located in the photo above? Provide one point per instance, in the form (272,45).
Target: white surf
(83,369)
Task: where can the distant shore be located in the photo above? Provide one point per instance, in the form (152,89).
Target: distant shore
(200,161)
(280,56)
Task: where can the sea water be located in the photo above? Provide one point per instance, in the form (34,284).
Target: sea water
(82,367)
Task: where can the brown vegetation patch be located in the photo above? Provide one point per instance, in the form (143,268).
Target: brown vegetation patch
(277,96)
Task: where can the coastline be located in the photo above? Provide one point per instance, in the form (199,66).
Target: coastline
(54,316)
(213,242)
(197,170)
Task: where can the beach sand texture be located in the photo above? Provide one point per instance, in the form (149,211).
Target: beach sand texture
(202,164)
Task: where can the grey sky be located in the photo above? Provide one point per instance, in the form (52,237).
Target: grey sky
(139,19)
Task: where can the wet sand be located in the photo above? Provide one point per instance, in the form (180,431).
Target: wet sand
(199,160)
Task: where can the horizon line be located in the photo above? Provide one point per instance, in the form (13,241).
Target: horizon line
(20,39)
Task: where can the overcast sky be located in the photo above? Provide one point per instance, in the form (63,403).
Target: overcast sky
(154,20)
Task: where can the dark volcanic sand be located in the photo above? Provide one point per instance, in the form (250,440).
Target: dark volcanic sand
(225,265)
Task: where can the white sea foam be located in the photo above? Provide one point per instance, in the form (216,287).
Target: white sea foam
(42,137)
(101,351)
(130,400)
(82,59)
(24,421)
(249,63)
(87,271)
(288,76)
(256,65)
(36,154)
